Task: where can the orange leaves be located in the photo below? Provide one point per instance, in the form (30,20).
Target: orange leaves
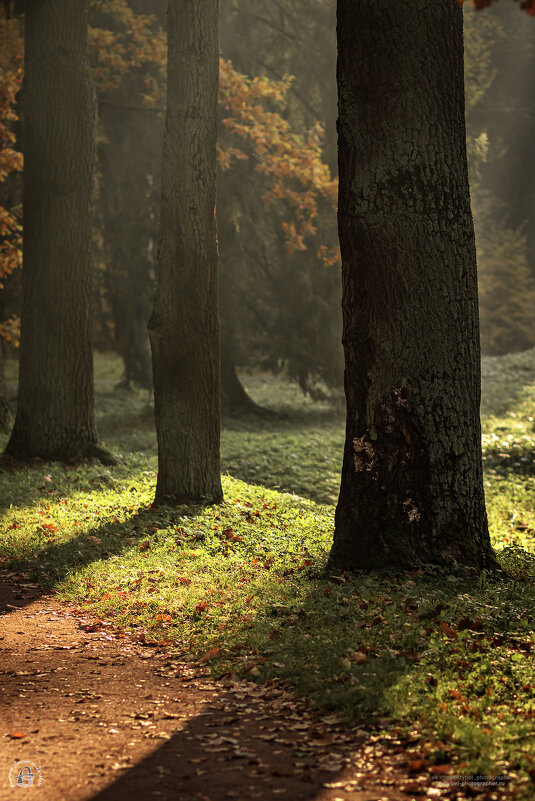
(291,162)
(228,533)
(359,657)
(47,528)
(417,765)
(211,654)
(526,5)
(448,631)
(11,59)
(136,41)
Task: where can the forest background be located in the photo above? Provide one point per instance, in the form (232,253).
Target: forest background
(279,263)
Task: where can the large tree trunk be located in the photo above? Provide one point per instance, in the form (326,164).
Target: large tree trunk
(55,414)
(412,489)
(184,329)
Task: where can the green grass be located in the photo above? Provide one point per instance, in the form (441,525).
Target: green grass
(446,661)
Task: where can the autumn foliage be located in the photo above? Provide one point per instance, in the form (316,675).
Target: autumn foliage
(292,162)
(526,5)
(11,58)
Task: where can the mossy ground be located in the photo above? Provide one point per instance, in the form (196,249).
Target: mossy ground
(445,660)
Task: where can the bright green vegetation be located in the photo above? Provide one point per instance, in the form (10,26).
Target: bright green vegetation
(444,661)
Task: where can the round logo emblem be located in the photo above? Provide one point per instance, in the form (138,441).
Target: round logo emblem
(25,774)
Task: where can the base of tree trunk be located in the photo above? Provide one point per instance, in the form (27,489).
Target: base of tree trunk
(235,400)
(90,451)
(163,499)
(6,420)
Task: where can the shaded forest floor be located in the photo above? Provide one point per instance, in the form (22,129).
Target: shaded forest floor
(432,673)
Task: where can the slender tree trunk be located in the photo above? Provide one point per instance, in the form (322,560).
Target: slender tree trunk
(5,414)
(184,329)
(234,398)
(127,157)
(411,489)
(55,414)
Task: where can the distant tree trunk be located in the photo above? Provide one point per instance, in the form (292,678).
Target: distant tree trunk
(412,488)
(234,397)
(5,414)
(184,328)
(127,158)
(55,414)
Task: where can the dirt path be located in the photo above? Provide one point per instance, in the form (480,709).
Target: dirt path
(106,718)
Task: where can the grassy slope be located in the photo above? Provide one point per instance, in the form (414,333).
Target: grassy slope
(242,584)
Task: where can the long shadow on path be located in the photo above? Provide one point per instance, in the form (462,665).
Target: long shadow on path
(105,718)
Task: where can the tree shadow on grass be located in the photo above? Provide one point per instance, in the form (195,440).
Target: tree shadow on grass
(246,752)
(56,560)
(520,461)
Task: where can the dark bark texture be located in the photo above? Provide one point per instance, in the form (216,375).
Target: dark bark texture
(55,412)
(412,488)
(184,328)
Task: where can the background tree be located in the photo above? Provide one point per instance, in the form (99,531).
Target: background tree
(184,327)
(128,56)
(411,488)
(280,305)
(10,202)
(55,413)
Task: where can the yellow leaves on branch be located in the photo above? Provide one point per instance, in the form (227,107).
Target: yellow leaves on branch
(122,43)
(10,331)
(293,162)
(127,41)
(11,66)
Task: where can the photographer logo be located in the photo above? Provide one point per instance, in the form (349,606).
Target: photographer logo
(25,774)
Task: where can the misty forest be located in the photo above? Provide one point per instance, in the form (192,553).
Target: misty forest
(267,399)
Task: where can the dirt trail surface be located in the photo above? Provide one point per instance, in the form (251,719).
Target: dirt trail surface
(106,718)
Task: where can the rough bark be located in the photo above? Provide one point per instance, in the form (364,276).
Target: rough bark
(184,328)
(411,489)
(55,411)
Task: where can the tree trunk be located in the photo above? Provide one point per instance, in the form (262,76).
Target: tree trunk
(127,159)
(5,415)
(234,398)
(55,411)
(184,328)
(411,489)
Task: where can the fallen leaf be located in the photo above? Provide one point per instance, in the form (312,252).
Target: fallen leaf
(448,631)
(359,657)
(443,770)
(211,654)
(416,765)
